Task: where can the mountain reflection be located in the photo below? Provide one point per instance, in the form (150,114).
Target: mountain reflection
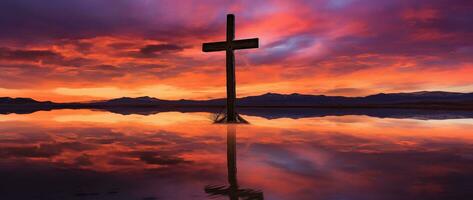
(233,191)
(276,113)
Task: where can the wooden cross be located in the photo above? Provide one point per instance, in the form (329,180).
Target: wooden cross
(229,46)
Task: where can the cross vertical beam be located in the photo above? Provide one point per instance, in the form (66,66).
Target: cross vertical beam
(231,82)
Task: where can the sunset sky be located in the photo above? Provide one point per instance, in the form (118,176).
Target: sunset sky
(80,50)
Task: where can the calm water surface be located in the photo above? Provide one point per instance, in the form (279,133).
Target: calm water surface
(85,154)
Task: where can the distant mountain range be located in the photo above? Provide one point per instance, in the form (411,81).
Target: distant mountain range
(426,100)
(422,99)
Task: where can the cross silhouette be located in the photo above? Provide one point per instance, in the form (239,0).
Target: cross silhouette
(229,46)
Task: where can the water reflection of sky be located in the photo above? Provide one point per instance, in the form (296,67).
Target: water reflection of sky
(83,154)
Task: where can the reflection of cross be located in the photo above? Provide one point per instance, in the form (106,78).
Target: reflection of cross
(233,191)
(228,46)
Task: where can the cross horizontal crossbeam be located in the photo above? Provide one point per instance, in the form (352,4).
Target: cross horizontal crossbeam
(233,45)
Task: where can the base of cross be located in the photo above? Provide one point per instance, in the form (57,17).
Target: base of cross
(223,119)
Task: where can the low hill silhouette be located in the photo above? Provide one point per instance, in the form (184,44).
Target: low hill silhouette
(405,100)
(284,104)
